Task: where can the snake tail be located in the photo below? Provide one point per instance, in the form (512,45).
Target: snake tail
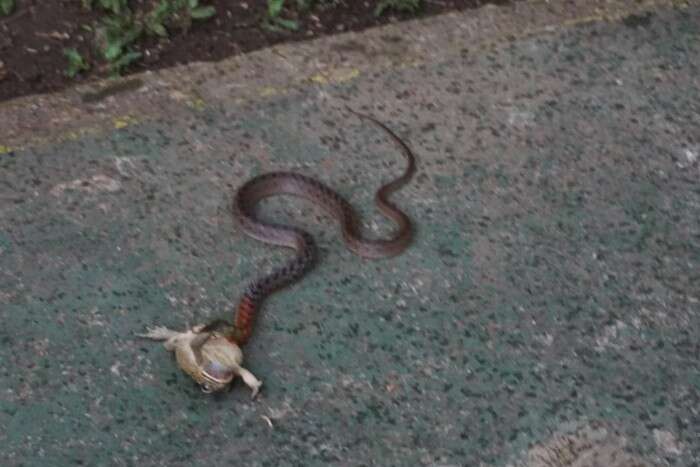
(293,184)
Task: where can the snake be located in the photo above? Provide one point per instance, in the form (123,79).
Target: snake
(270,184)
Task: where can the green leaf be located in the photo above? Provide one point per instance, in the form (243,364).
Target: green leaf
(72,54)
(132,33)
(158,29)
(161,11)
(125,60)
(287,23)
(76,63)
(6,7)
(113,51)
(274,8)
(203,12)
(406,6)
(192,4)
(107,5)
(128,58)
(115,6)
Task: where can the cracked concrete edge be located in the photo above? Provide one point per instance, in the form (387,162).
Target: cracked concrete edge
(35,121)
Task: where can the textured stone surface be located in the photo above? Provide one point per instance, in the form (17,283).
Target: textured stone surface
(547,314)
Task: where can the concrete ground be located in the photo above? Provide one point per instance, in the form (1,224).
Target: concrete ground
(546,315)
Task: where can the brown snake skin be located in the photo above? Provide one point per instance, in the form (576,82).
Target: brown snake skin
(288,183)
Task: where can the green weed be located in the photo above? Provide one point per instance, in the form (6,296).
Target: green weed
(6,7)
(407,6)
(274,19)
(76,62)
(117,35)
(115,6)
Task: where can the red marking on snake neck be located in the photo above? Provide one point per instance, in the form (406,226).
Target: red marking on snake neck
(288,183)
(245,316)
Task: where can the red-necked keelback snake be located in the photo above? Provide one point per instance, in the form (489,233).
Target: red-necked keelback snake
(211,354)
(290,183)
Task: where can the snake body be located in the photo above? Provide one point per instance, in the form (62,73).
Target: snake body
(289,183)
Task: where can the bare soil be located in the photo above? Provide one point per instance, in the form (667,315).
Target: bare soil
(33,38)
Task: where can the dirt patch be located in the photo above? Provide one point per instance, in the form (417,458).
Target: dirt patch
(589,446)
(33,39)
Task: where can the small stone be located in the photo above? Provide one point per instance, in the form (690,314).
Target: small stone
(667,441)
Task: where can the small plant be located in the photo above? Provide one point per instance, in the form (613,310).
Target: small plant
(407,6)
(155,20)
(181,13)
(115,6)
(6,7)
(274,19)
(118,34)
(116,37)
(76,62)
(200,12)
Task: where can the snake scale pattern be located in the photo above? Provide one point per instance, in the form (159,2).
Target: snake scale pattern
(289,183)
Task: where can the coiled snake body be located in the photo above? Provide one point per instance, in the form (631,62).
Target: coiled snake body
(211,354)
(289,183)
